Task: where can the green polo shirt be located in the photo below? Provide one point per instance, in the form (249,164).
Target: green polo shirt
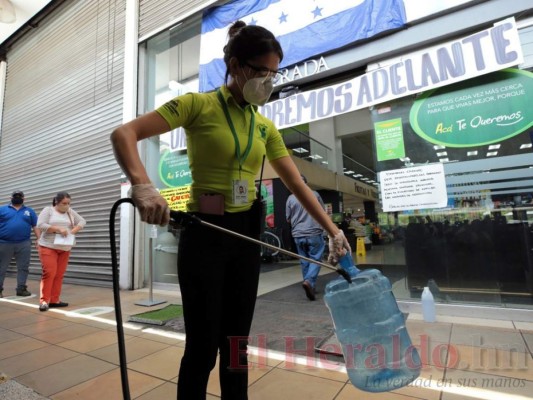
(211,146)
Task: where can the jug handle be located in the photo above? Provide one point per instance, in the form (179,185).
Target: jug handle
(362,279)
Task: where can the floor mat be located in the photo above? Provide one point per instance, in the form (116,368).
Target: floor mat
(275,266)
(158,317)
(330,345)
(286,321)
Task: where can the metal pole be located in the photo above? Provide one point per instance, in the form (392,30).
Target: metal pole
(151,302)
(150,271)
(270,246)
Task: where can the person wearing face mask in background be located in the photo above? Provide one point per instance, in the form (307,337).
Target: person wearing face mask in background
(227,141)
(59,224)
(16,223)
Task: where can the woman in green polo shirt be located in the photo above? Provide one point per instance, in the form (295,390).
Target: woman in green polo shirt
(227,140)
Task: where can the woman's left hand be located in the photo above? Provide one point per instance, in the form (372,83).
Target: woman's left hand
(338,247)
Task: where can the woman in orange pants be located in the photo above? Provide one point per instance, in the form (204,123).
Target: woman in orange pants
(59,225)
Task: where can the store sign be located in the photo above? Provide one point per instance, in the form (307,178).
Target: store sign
(174,169)
(389,139)
(267,194)
(177,198)
(413,188)
(303,70)
(478,112)
(487,51)
(365,190)
(174,140)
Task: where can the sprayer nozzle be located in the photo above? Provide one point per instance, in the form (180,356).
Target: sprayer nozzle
(344,274)
(181,218)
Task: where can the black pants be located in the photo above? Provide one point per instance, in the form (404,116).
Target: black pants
(218,276)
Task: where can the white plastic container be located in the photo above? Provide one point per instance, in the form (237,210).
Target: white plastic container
(428,305)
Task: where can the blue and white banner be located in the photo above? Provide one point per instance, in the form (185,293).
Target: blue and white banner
(304,28)
(483,52)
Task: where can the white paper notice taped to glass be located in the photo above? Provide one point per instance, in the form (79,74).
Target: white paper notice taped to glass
(65,240)
(413,188)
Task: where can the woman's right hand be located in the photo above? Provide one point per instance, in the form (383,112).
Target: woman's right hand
(153,208)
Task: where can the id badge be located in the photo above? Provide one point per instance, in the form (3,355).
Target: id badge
(240,191)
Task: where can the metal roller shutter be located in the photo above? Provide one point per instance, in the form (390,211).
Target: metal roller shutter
(63,97)
(155,14)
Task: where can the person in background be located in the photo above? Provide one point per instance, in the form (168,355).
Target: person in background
(309,239)
(227,140)
(16,223)
(357,225)
(59,224)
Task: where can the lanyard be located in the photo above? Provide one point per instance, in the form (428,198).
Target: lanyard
(240,158)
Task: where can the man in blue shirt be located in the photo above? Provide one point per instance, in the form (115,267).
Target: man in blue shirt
(309,239)
(16,224)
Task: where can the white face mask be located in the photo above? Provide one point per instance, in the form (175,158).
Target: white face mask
(62,207)
(257,91)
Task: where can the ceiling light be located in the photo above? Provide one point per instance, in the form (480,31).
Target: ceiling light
(348,172)
(442,154)
(444,159)
(364,179)
(439,147)
(324,162)
(492,153)
(300,150)
(404,159)
(316,157)
(471,153)
(526,146)
(357,175)
(494,146)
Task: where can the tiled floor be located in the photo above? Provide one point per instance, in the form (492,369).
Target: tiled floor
(64,355)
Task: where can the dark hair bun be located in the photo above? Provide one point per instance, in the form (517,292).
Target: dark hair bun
(235,28)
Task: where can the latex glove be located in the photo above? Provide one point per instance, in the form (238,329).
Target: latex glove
(338,247)
(152,207)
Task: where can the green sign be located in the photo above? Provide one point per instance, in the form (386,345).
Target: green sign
(174,169)
(484,110)
(389,139)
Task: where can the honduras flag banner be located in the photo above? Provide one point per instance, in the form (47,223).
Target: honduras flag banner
(304,28)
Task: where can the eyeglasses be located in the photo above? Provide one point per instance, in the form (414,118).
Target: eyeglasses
(274,75)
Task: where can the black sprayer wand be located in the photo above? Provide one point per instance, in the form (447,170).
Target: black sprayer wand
(182,218)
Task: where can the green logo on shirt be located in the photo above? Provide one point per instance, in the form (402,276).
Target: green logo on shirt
(172,107)
(263,130)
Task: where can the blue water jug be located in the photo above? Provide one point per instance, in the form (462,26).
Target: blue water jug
(377,350)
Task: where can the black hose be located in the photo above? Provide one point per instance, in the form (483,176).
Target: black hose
(116,297)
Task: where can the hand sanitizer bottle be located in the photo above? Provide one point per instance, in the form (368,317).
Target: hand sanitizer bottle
(428,305)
